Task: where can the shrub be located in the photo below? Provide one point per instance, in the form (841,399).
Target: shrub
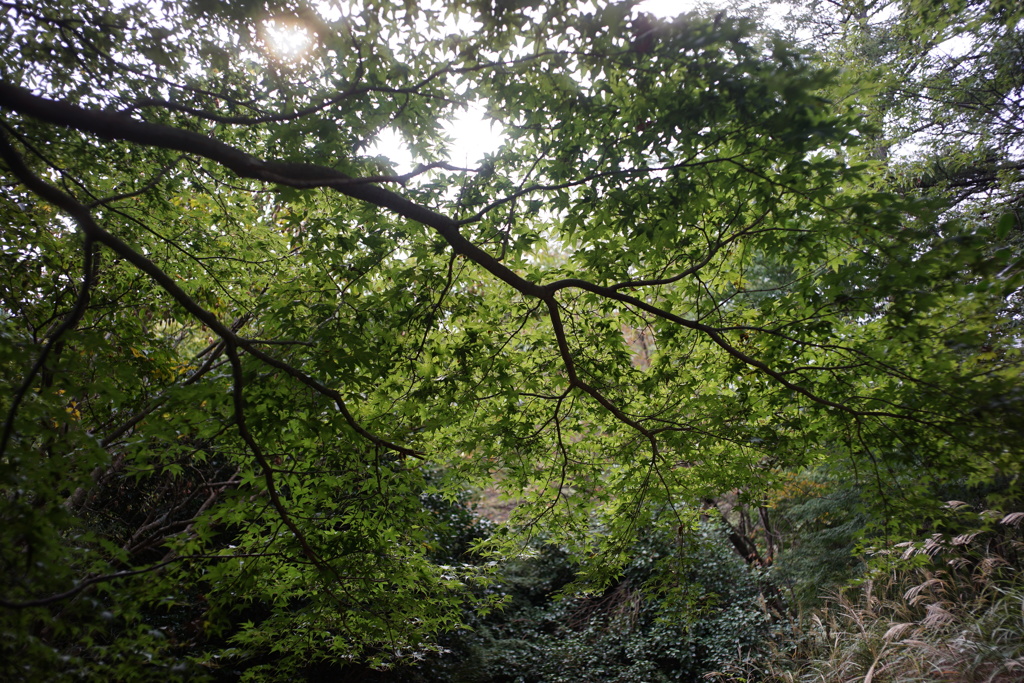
(679,611)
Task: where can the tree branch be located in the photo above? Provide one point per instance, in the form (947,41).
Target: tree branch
(119,127)
(94,232)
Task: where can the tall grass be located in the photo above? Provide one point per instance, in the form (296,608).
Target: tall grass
(955,617)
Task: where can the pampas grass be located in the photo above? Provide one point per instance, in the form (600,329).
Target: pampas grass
(958,617)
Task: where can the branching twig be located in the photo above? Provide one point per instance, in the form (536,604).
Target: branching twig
(94,232)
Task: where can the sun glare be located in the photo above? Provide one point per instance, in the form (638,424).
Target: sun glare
(286,40)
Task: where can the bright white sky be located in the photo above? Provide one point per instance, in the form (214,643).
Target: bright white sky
(666,8)
(472,134)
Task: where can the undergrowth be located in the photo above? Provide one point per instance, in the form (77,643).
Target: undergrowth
(947,609)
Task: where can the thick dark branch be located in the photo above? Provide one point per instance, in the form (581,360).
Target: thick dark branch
(119,127)
(94,232)
(113,126)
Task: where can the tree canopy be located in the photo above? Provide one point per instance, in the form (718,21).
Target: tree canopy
(254,370)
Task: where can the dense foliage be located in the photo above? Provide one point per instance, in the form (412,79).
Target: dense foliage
(253,370)
(627,632)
